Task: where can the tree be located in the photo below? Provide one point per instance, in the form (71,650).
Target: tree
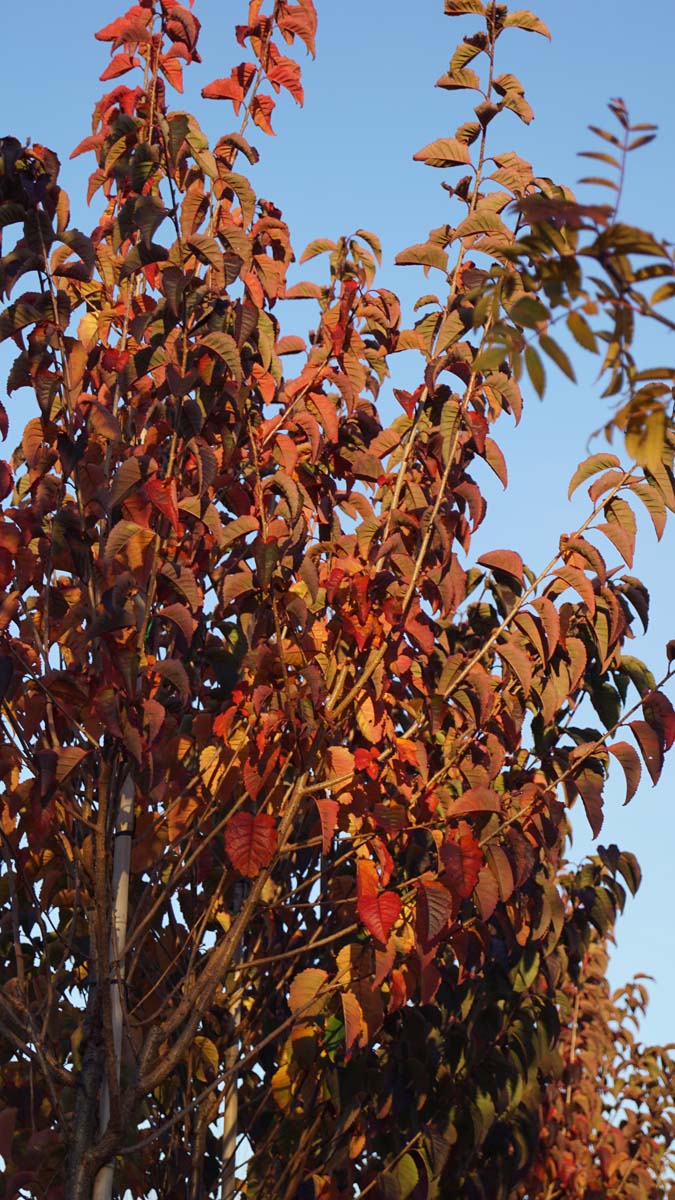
(286,784)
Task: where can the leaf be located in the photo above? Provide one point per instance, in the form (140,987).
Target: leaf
(574,578)
(239,527)
(518,661)
(651,748)
(341,761)
(328,815)
(372,240)
(446,152)
(522,19)
(436,907)
(582,332)
(486,222)
(630,762)
(462,862)
(318,246)
(163,494)
(590,784)
(355,1027)
(507,561)
(378,910)
(69,758)
(558,356)
(423,254)
(225,347)
(591,466)
(305,998)
(474,800)
(206,1060)
(282,1089)
(251,842)
(535,370)
(400,1181)
(457,8)
(659,713)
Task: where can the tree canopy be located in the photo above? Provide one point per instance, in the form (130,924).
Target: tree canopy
(287,771)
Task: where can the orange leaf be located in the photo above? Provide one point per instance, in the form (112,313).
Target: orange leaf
(250,842)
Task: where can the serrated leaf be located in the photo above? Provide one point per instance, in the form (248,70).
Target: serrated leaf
(591,466)
(650,747)
(445,152)
(485,222)
(305,998)
(318,246)
(423,254)
(225,347)
(522,19)
(630,762)
(436,908)
(251,842)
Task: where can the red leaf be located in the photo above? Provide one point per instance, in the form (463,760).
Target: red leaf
(462,861)
(590,784)
(379,912)
(651,747)
(262,108)
(435,908)
(487,893)
(518,662)
(328,814)
(341,761)
(286,73)
(119,65)
(6,480)
(225,89)
(132,27)
(659,713)
(551,621)
(630,762)
(503,560)
(250,842)
(162,493)
(480,799)
(299,20)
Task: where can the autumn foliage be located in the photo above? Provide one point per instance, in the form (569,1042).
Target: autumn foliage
(239,590)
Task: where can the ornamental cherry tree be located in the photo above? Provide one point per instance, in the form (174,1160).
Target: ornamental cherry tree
(286,771)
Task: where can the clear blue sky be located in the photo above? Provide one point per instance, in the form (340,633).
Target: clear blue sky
(345,162)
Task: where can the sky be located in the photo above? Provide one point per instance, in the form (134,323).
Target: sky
(345,162)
